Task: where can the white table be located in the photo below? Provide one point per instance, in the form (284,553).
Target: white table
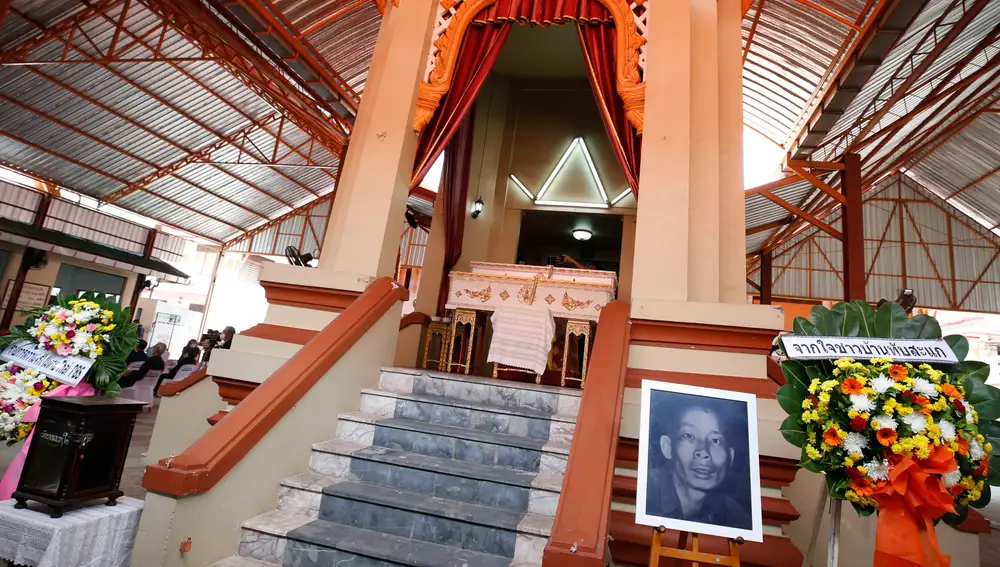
(91,536)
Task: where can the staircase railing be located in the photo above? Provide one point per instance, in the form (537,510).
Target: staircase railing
(215,453)
(580,532)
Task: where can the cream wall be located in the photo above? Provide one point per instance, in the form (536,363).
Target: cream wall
(47,275)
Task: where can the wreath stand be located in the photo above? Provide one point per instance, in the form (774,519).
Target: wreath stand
(695,555)
(833,547)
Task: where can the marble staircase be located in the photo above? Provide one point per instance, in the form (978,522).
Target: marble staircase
(435,470)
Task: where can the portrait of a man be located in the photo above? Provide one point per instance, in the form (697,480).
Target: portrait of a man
(698,469)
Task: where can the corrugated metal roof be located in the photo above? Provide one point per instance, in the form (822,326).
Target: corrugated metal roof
(97,128)
(790,52)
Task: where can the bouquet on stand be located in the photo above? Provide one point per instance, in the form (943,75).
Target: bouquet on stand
(92,331)
(910,442)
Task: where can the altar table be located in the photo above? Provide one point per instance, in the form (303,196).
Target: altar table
(575,295)
(91,536)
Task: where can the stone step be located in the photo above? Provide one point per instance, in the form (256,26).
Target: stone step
(437,520)
(384,404)
(446,478)
(237,561)
(326,544)
(473,389)
(471,445)
(263,537)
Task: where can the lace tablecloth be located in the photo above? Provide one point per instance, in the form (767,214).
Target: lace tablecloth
(522,337)
(94,536)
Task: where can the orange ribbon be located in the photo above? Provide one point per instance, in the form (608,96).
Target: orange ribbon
(908,505)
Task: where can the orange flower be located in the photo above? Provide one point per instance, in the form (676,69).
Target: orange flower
(898,372)
(863,486)
(831,437)
(851,387)
(963,445)
(886,436)
(984,466)
(951,391)
(957,489)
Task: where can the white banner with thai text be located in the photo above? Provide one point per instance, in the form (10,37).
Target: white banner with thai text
(802,347)
(66,369)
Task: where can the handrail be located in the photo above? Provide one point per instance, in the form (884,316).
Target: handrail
(415,318)
(580,532)
(215,453)
(175,387)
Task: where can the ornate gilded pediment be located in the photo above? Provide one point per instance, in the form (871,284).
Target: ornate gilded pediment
(455,16)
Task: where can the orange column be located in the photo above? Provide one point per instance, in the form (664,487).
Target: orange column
(367,216)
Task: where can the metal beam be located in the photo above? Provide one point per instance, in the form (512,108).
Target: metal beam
(249,235)
(874,115)
(828,12)
(766,278)
(852,224)
(203,28)
(804,215)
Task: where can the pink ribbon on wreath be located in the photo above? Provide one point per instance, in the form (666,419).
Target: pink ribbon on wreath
(13,475)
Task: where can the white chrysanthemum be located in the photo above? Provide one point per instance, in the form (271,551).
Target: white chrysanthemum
(976,450)
(916,421)
(855,443)
(951,479)
(861,404)
(924,388)
(968,416)
(883,383)
(948,431)
(878,469)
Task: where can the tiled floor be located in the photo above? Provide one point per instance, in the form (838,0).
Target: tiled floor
(134,466)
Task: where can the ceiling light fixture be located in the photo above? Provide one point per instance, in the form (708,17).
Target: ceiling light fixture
(571,204)
(521,186)
(559,166)
(593,170)
(582,234)
(621,196)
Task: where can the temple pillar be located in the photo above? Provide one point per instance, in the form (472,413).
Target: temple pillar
(363,234)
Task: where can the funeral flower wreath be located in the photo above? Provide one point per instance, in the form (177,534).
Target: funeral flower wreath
(870,425)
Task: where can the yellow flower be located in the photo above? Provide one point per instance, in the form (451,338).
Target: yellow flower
(829,385)
(813,454)
(814,386)
(807,404)
(110,327)
(842,434)
(988,447)
(810,416)
(856,456)
(812,436)
(852,414)
(824,397)
(848,462)
(843,362)
(903,410)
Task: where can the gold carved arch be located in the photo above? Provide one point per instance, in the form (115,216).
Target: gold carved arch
(628,80)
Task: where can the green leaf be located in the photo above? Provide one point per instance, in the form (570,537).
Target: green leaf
(984,499)
(990,429)
(824,320)
(852,321)
(921,327)
(811,466)
(956,519)
(790,398)
(866,318)
(113,390)
(793,431)
(802,326)
(889,321)
(836,486)
(846,320)
(985,398)
(795,371)
(862,510)
(959,345)
(994,473)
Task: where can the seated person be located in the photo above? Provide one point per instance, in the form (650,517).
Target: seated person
(188,356)
(692,479)
(138,354)
(154,363)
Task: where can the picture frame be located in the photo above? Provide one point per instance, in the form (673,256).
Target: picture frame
(699,466)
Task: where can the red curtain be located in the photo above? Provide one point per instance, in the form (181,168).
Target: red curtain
(454,189)
(598,44)
(545,12)
(480,48)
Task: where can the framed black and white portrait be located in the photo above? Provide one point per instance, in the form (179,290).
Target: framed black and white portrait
(698,461)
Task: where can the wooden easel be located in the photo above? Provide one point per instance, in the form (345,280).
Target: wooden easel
(694,556)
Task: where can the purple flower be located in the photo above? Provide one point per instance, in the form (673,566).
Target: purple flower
(38,386)
(15,369)
(70,334)
(8,408)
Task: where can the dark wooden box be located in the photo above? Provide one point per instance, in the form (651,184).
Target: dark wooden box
(77,452)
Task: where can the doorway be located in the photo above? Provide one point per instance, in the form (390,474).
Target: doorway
(592,240)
